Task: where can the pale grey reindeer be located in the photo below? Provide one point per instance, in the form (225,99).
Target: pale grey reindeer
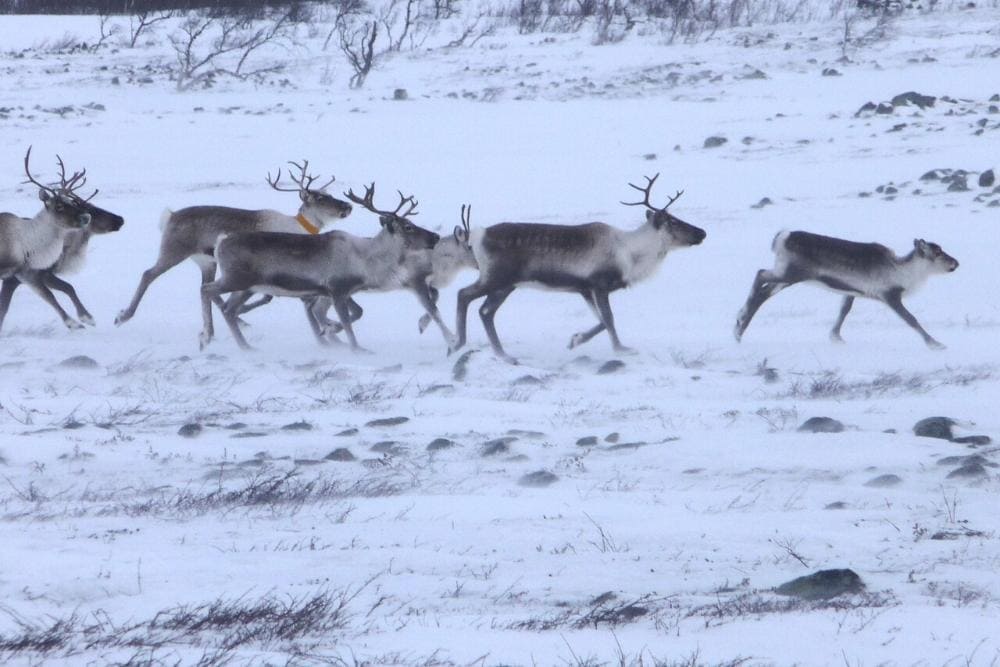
(29,247)
(192,233)
(74,252)
(333,264)
(853,269)
(427,272)
(592,260)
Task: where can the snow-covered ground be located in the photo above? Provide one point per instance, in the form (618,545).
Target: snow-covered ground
(122,539)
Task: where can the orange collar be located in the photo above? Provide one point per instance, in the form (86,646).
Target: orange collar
(306,225)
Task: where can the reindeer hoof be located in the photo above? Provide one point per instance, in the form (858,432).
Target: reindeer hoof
(575,339)
(425,320)
(935,345)
(622,349)
(357,349)
(204,338)
(738,331)
(121,318)
(88,320)
(503,356)
(835,337)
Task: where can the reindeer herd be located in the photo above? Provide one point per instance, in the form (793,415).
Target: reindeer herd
(243,253)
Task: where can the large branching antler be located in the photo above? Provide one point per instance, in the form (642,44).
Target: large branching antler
(302,183)
(367,201)
(646,192)
(67,186)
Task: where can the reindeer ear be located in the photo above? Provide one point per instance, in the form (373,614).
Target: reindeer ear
(305,195)
(460,234)
(44,195)
(920,245)
(387,223)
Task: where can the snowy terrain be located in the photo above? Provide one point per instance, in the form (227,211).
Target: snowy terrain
(122,539)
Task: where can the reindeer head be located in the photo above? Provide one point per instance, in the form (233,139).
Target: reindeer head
(932,253)
(453,253)
(317,205)
(679,232)
(397,222)
(64,206)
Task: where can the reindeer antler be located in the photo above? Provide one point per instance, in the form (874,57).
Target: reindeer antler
(646,192)
(302,183)
(368,202)
(75,182)
(31,179)
(466,217)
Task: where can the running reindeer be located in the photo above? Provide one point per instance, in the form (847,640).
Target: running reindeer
(427,272)
(33,251)
(592,260)
(853,269)
(333,264)
(192,233)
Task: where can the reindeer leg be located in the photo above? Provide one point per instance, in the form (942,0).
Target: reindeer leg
(894,299)
(53,281)
(608,319)
(207,276)
(487,312)
(425,319)
(341,304)
(163,264)
(34,280)
(428,299)
(845,308)
(6,294)
(318,329)
(580,338)
(765,285)
(254,305)
(228,283)
(466,295)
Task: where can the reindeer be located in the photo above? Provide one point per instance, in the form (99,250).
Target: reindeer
(30,247)
(853,269)
(193,232)
(333,264)
(592,259)
(428,271)
(74,252)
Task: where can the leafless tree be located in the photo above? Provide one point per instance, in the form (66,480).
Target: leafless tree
(358,45)
(107,30)
(207,47)
(391,15)
(140,22)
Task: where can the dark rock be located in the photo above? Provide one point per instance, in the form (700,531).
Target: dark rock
(958,185)
(969,470)
(898,127)
(867,107)
(438,444)
(765,201)
(347,432)
(609,367)
(298,426)
(527,380)
(340,454)
(935,175)
(973,440)
(190,430)
(987,179)
(884,109)
(306,462)
(388,421)
(995,97)
(821,425)
(836,505)
(753,74)
(963,460)
(935,427)
(714,142)
(437,388)
(80,361)
(915,99)
(538,479)
(884,481)
(587,441)
(521,433)
(822,585)
(627,445)
(248,434)
(497,446)
(612,437)
(890,190)
(388,447)
(649,156)
(400,94)
(461,367)
(829,71)
(235,426)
